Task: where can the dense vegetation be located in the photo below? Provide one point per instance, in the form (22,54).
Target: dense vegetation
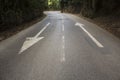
(14,12)
(53,4)
(92,8)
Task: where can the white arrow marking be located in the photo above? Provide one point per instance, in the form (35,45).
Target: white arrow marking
(30,41)
(96,41)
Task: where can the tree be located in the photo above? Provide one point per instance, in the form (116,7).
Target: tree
(14,12)
(54,4)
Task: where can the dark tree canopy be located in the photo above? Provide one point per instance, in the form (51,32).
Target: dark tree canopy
(18,11)
(92,8)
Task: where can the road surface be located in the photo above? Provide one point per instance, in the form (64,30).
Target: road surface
(61,47)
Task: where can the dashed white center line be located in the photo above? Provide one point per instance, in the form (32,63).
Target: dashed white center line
(63,49)
(63,43)
(63,37)
(63,58)
(63,28)
(62,19)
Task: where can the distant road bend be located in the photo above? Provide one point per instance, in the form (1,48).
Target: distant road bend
(61,47)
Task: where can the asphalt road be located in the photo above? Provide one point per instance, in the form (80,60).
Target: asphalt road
(61,47)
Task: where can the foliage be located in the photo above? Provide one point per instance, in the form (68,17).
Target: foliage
(54,4)
(92,8)
(14,12)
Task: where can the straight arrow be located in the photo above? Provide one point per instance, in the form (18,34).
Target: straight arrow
(93,38)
